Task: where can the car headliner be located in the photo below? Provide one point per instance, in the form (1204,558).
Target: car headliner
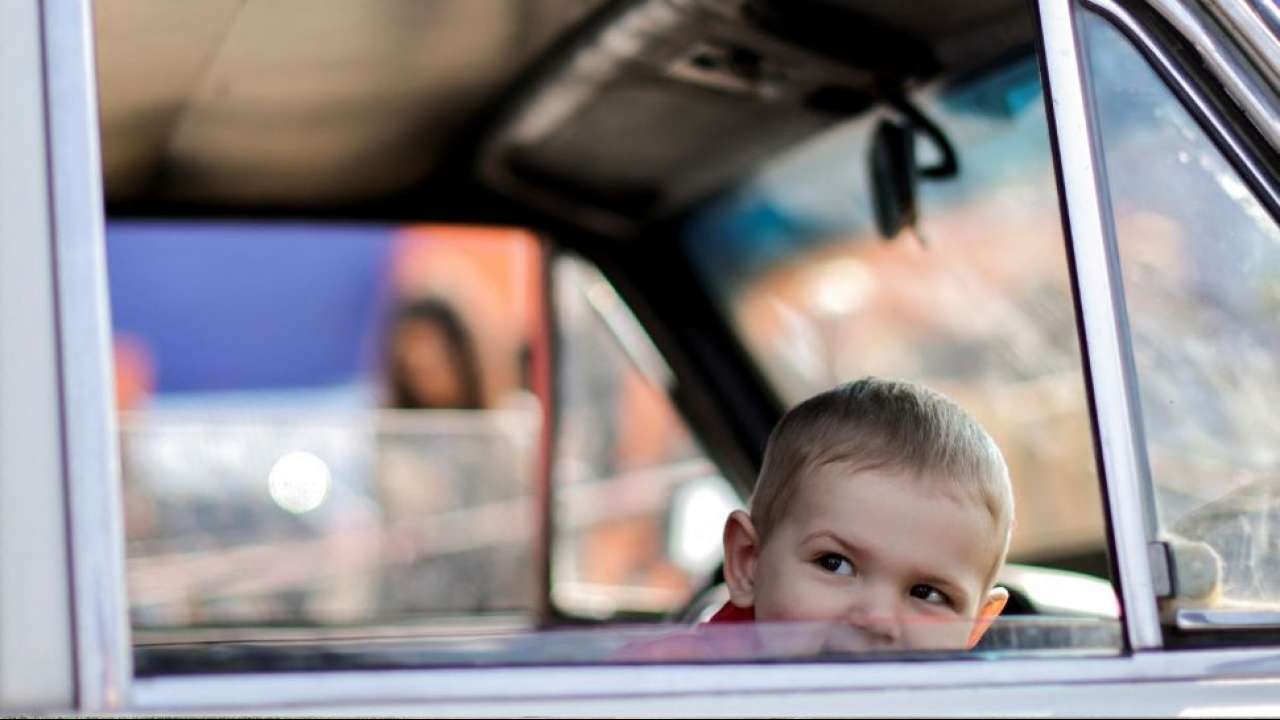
(256,103)
(258,107)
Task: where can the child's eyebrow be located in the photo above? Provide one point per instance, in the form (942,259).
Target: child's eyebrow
(849,546)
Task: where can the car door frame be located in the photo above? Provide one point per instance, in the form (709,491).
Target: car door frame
(64,635)
(1230,100)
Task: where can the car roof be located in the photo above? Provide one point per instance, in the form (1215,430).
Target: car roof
(607,113)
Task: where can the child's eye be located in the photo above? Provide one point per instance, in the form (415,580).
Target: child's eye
(930,594)
(835,564)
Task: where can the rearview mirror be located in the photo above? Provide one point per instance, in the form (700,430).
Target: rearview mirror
(894,171)
(893,177)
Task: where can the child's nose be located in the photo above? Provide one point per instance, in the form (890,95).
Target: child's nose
(878,617)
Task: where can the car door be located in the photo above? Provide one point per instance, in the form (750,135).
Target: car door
(1189,557)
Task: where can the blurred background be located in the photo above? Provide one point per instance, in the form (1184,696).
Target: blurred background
(352,436)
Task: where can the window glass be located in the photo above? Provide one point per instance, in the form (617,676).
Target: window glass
(324,426)
(1200,259)
(974,301)
(639,507)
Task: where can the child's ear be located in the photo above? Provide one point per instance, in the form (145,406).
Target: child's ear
(991,607)
(741,548)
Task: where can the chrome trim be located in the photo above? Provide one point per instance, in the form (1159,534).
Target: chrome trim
(1114,390)
(1254,30)
(771,686)
(1227,619)
(1161,579)
(1154,52)
(91,452)
(1269,13)
(36,646)
(1228,64)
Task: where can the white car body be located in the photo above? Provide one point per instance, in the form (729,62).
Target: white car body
(64,631)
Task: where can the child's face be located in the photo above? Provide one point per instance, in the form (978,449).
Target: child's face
(887,560)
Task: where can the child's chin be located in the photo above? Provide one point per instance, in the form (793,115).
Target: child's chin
(792,639)
(814,639)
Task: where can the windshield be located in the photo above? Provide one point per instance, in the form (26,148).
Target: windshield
(973,301)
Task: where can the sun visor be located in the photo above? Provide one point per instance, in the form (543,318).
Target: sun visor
(660,105)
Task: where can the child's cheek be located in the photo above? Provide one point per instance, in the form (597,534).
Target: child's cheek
(792,638)
(928,633)
(801,603)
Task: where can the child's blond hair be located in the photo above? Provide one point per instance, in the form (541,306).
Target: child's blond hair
(872,424)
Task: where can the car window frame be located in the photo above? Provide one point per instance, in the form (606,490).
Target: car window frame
(33,541)
(101,674)
(1224,98)
(77,599)
(1142,566)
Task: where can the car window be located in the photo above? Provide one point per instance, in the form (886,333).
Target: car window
(1200,259)
(324,426)
(638,505)
(974,300)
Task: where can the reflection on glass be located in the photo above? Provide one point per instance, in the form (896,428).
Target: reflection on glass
(975,304)
(632,645)
(1200,259)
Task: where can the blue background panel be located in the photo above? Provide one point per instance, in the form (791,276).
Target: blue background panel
(231,306)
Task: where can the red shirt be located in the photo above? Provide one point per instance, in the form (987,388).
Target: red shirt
(701,642)
(731,613)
